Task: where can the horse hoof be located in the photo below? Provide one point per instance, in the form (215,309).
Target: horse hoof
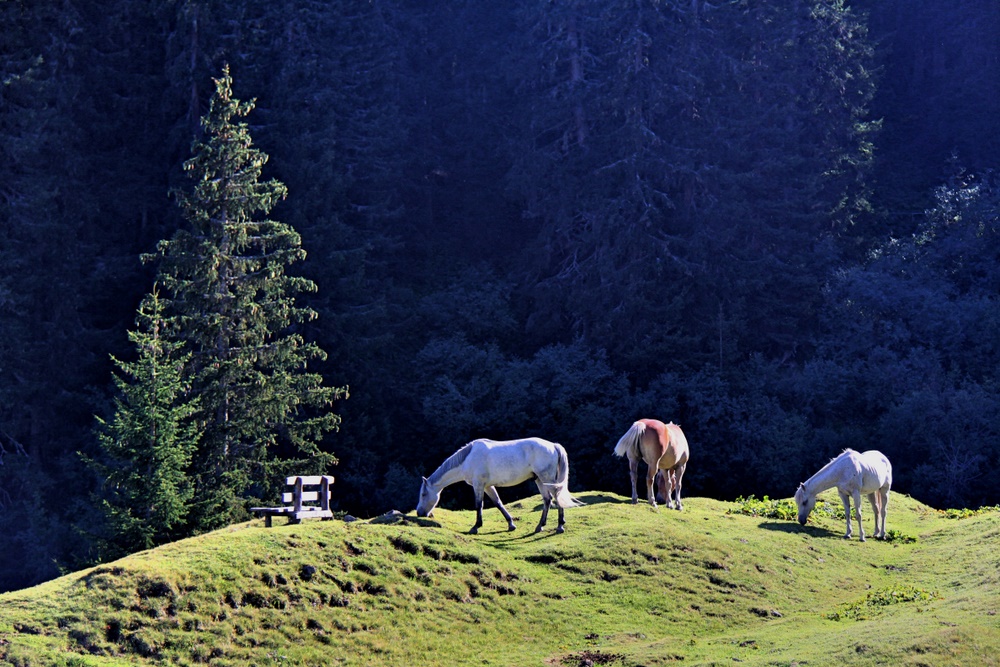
(561,529)
(511,527)
(474,530)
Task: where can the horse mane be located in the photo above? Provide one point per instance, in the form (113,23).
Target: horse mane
(452,462)
(836,458)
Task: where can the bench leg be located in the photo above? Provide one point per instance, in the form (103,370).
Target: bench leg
(267,520)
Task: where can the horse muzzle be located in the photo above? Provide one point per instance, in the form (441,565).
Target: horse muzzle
(802,522)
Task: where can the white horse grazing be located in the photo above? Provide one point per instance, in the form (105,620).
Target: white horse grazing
(853,474)
(487,464)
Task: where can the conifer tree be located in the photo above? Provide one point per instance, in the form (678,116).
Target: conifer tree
(233,304)
(148,445)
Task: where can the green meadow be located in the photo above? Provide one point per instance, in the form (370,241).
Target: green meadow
(717,584)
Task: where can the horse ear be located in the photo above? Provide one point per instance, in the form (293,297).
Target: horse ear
(424,478)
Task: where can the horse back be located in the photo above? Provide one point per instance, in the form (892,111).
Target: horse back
(510,462)
(664,444)
(876,470)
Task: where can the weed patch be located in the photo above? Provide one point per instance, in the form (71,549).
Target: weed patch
(875,601)
(896,537)
(969,513)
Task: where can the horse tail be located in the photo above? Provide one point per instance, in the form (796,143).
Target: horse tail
(560,488)
(629,443)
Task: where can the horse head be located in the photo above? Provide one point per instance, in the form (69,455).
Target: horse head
(428,499)
(805,502)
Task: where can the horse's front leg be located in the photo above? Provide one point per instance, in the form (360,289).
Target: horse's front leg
(678,476)
(662,484)
(633,473)
(495,497)
(857,513)
(846,499)
(479,510)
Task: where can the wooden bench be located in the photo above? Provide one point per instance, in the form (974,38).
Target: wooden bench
(302,489)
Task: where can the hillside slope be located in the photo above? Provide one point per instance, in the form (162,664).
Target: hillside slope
(625,585)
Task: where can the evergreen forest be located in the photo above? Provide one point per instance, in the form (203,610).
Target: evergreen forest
(242,239)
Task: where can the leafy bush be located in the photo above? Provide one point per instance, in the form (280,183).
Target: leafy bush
(783,509)
(968,513)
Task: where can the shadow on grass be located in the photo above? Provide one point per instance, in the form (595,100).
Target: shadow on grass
(594,498)
(599,498)
(418,521)
(792,527)
(526,536)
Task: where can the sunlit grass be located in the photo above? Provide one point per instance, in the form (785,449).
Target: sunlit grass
(625,585)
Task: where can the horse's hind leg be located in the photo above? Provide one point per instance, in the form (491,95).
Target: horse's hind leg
(880,502)
(884,495)
(495,497)
(633,473)
(874,501)
(546,503)
(847,513)
(650,476)
(857,513)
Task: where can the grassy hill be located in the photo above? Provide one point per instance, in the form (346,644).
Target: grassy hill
(625,585)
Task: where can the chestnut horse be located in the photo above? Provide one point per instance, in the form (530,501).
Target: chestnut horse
(664,449)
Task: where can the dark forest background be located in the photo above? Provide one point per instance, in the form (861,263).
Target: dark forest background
(773,223)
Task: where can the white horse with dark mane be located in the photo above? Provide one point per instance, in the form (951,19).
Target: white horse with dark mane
(487,464)
(868,473)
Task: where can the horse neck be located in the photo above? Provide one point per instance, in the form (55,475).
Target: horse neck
(444,476)
(826,478)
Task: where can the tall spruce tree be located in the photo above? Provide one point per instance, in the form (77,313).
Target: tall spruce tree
(148,445)
(234,305)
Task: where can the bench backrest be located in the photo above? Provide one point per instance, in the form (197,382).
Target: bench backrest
(298,495)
